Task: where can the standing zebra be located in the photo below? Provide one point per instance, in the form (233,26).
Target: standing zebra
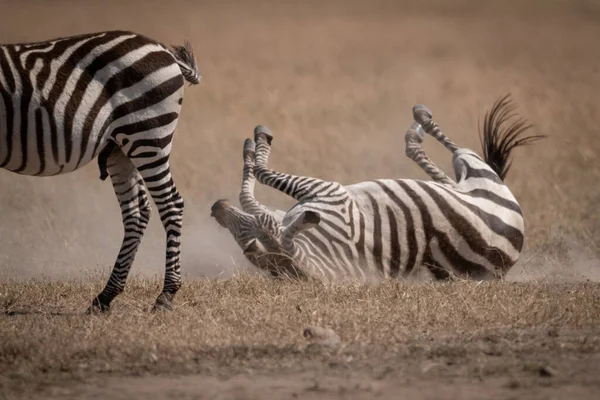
(471,228)
(116,95)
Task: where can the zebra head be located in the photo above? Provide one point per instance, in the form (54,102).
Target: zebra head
(240,224)
(219,211)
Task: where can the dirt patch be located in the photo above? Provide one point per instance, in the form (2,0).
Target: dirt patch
(315,386)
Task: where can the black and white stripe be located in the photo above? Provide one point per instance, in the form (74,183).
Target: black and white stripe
(472,227)
(116,95)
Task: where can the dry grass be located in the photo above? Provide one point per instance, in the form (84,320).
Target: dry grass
(251,324)
(335,81)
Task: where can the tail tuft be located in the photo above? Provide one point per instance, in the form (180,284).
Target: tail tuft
(184,55)
(499,141)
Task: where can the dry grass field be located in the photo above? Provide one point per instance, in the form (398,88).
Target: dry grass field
(335,81)
(242,338)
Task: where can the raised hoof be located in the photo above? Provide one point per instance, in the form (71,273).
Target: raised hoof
(262,131)
(249,147)
(97,307)
(163,303)
(421,114)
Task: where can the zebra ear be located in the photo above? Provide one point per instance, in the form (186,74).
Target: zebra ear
(310,219)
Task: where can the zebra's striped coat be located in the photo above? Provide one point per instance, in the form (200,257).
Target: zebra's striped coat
(113,95)
(472,227)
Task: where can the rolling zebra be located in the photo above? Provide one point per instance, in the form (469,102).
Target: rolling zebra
(389,228)
(116,95)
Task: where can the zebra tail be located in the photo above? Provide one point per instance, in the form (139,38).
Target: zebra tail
(499,140)
(184,55)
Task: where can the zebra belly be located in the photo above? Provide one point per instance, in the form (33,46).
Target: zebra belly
(391,235)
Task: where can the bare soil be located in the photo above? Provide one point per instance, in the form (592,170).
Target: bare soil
(335,81)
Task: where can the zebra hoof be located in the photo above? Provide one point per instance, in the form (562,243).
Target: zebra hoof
(418,129)
(98,307)
(163,303)
(249,147)
(421,114)
(262,131)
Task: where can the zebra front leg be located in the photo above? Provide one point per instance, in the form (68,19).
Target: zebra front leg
(157,177)
(247,200)
(423,116)
(135,210)
(414,151)
(299,187)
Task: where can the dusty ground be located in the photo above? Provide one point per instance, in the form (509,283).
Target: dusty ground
(336,82)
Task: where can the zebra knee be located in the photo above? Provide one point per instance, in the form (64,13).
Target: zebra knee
(415,133)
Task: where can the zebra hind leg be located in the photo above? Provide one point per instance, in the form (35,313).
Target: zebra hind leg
(423,116)
(156,174)
(135,210)
(414,137)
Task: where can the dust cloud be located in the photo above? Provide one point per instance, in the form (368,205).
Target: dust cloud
(72,228)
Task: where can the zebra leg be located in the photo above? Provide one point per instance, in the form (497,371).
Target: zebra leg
(156,173)
(423,116)
(414,151)
(247,200)
(135,210)
(299,187)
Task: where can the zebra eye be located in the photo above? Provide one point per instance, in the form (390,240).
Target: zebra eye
(344,209)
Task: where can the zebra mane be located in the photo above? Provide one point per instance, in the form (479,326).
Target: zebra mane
(498,140)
